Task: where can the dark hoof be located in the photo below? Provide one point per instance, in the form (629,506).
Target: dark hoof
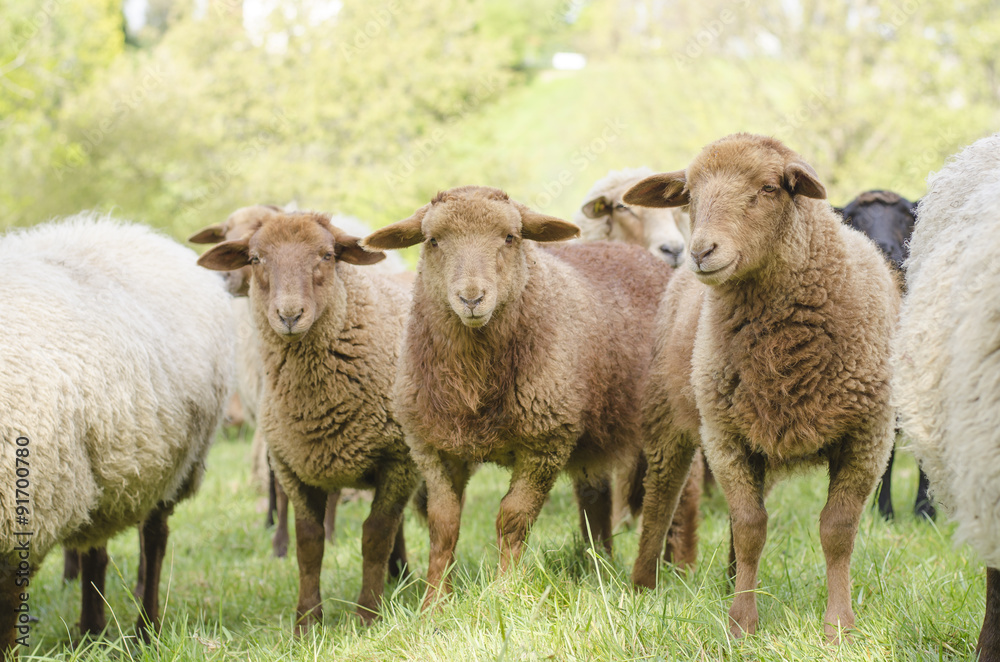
(925,509)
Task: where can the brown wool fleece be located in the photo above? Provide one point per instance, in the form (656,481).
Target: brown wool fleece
(549,383)
(785,335)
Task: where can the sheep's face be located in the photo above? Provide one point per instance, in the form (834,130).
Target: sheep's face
(742,194)
(887,219)
(472,259)
(241,223)
(292,261)
(608,217)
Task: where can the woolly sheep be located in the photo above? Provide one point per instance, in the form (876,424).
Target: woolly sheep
(329,335)
(788,357)
(946,360)
(887,218)
(604,216)
(116,362)
(496,365)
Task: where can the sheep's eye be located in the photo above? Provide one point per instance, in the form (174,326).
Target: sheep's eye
(328,256)
(509,240)
(621,207)
(434,242)
(769,188)
(254,259)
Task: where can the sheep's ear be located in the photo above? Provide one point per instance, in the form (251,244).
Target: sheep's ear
(213,234)
(540,227)
(596,208)
(227,256)
(398,235)
(667,189)
(347,250)
(801,179)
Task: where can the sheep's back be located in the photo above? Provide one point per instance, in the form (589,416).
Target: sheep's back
(116,362)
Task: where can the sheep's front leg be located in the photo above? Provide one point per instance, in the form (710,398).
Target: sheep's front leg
(330,520)
(279,543)
(988,647)
(394,486)
(153,533)
(531,480)
(93,567)
(669,458)
(397,559)
(446,479)
(310,508)
(594,501)
(853,475)
(741,476)
(682,537)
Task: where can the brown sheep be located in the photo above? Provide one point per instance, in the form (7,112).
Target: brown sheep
(250,372)
(497,367)
(788,356)
(329,335)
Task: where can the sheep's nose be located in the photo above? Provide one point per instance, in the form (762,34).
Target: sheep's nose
(701,255)
(471,303)
(290,318)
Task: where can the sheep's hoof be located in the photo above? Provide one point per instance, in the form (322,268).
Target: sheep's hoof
(643,579)
(280,548)
(742,624)
(836,629)
(306,619)
(367,615)
(925,509)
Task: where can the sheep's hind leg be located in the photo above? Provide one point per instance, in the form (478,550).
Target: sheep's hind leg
(669,463)
(154,532)
(71,565)
(594,501)
(380,531)
(397,559)
(988,647)
(279,543)
(884,502)
(330,519)
(446,480)
(531,481)
(93,567)
(682,537)
(852,479)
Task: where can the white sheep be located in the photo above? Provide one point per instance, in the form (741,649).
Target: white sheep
(604,216)
(947,355)
(117,361)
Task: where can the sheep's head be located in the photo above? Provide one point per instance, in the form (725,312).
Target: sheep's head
(606,216)
(744,193)
(292,260)
(887,218)
(241,223)
(472,259)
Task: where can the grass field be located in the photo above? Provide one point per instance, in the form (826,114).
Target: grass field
(225,598)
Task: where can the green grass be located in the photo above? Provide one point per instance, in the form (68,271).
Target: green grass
(224,597)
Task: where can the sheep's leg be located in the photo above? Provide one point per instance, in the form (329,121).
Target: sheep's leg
(669,460)
(988,646)
(140,575)
(594,501)
(446,480)
(380,532)
(330,520)
(852,479)
(153,532)
(923,506)
(279,543)
(71,565)
(885,491)
(272,499)
(310,508)
(93,566)
(531,481)
(397,559)
(682,537)
(742,479)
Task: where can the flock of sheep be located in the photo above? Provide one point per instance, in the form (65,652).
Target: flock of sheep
(723,317)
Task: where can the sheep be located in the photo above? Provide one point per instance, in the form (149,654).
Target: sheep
(605,217)
(887,218)
(329,336)
(114,382)
(496,365)
(787,356)
(249,369)
(946,379)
